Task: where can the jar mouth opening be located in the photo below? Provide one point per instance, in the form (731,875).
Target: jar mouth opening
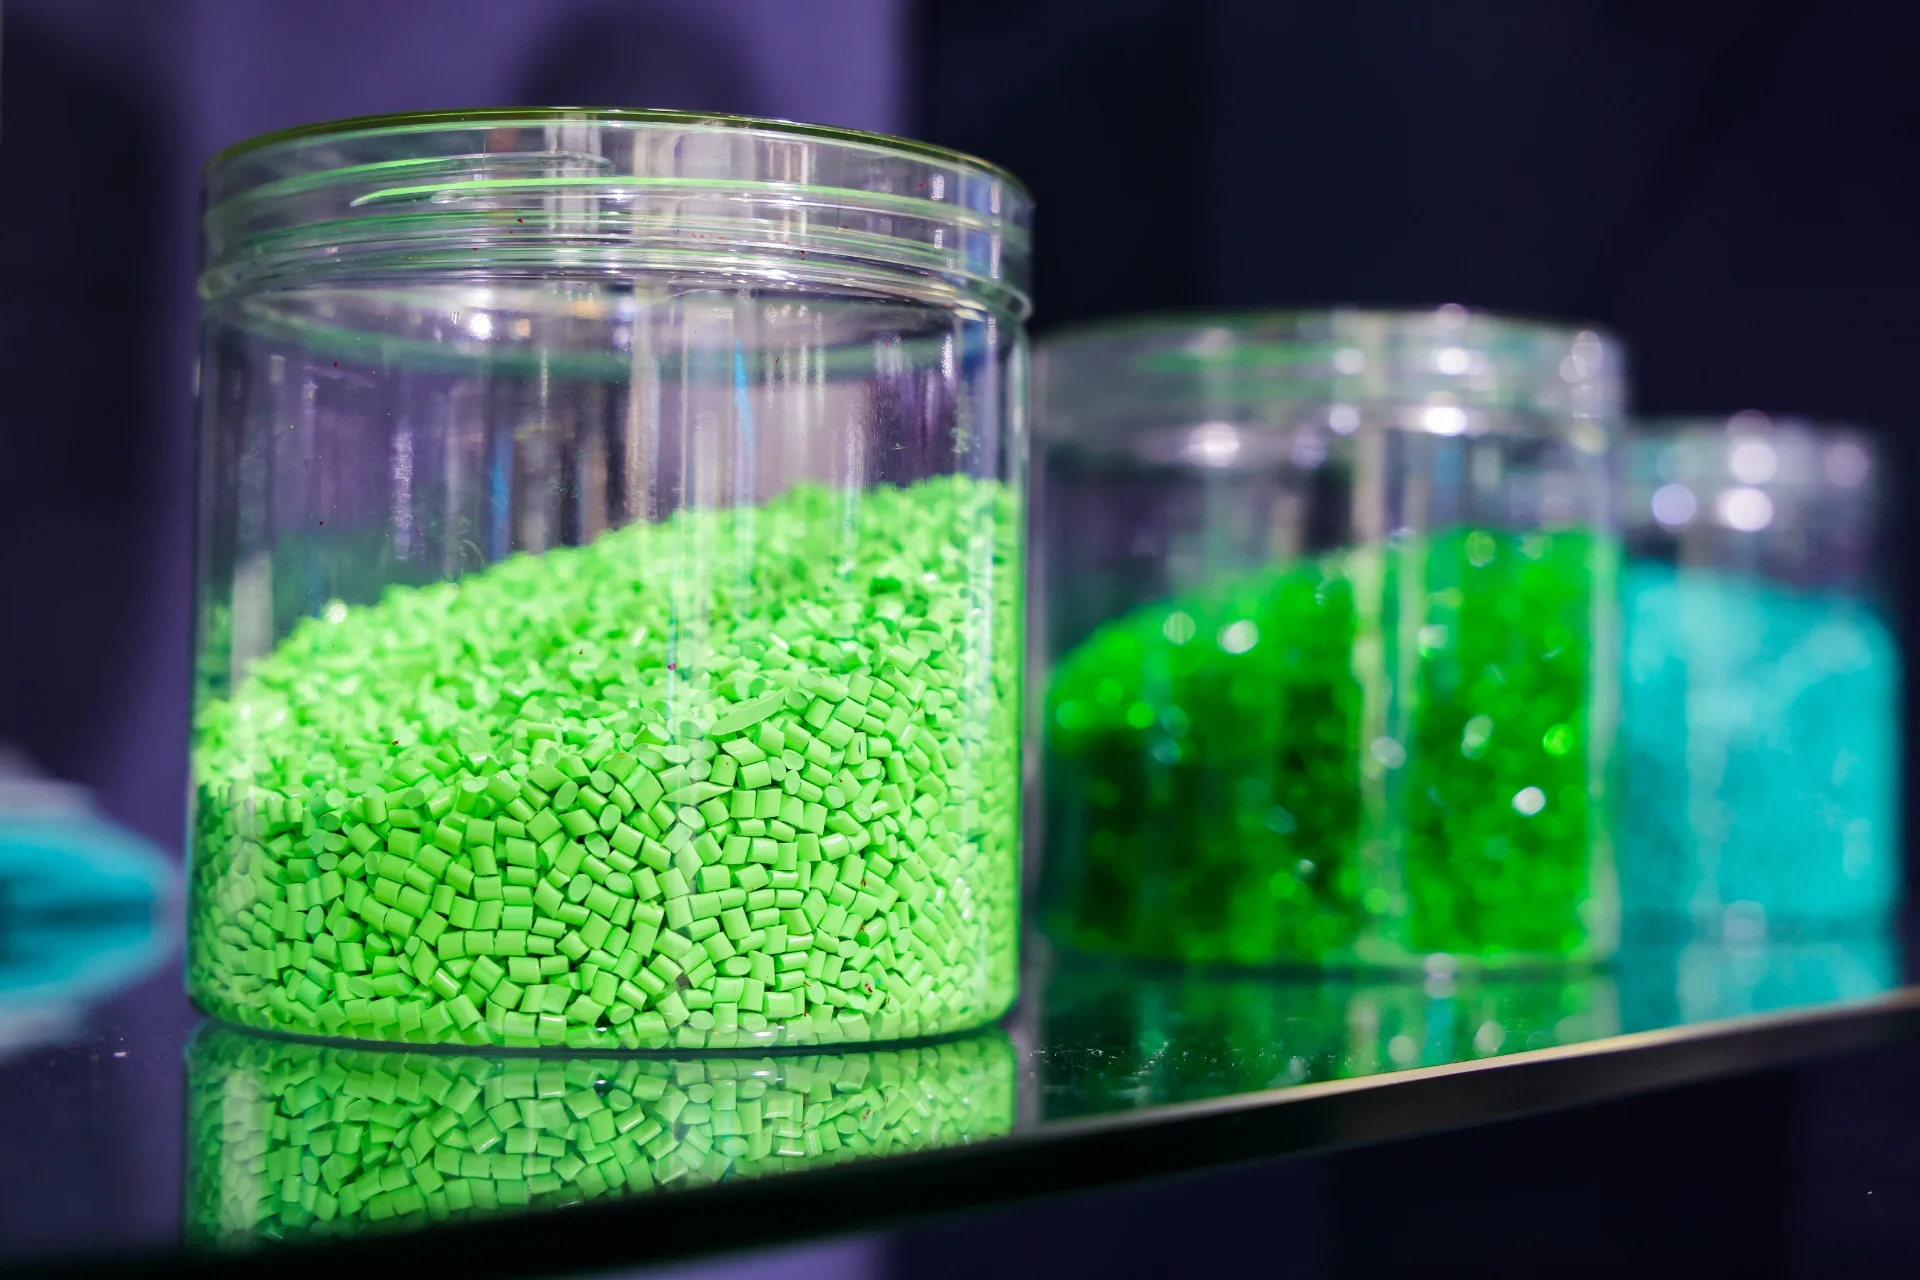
(1749,472)
(1794,502)
(599,192)
(402,122)
(1445,371)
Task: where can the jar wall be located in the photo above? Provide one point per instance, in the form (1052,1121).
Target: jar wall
(1762,684)
(1322,621)
(607,659)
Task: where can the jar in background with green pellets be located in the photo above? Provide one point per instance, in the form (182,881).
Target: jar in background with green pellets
(1326,632)
(609,601)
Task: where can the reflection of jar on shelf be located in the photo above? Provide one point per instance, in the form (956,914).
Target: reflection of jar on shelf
(1149,1037)
(289,1139)
(1439,1020)
(1708,978)
(1762,685)
(1143,1038)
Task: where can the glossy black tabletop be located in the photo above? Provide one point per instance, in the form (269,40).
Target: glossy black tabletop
(132,1129)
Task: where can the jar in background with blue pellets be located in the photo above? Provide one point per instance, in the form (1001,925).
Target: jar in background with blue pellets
(1762,685)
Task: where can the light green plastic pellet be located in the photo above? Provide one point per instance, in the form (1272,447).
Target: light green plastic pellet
(515,766)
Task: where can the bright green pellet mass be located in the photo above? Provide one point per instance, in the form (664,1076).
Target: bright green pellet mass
(1201,778)
(299,1141)
(1217,764)
(1504,830)
(746,776)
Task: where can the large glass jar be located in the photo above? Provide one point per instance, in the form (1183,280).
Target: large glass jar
(1327,628)
(1763,685)
(609,583)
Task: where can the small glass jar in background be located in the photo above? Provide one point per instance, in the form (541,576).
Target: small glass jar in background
(1762,686)
(1325,623)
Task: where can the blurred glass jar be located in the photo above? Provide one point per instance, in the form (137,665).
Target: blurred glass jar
(1762,688)
(609,599)
(1327,635)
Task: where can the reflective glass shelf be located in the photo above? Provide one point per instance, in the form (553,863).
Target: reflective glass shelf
(320,1156)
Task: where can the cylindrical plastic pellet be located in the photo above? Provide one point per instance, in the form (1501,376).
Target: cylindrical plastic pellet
(1762,692)
(609,583)
(1327,627)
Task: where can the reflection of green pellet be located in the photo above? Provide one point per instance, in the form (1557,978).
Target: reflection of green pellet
(745,776)
(1207,780)
(292,1140)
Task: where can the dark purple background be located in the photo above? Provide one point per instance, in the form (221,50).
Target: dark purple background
(107,110)
(1733,187)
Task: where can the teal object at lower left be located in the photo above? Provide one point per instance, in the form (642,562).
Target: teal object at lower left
(81,911)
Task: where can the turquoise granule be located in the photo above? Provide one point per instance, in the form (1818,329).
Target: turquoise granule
(1760,742)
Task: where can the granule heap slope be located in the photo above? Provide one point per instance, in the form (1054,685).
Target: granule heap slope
(745,776)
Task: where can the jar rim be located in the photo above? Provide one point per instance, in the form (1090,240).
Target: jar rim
(1249,320)
(734,200)
(1102,380)
(1752,449)
(396,122)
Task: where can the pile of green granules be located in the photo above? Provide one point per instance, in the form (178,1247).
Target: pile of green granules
(746,776)
(291,1140)
(1504,762)
(1218,767)
(1202,791)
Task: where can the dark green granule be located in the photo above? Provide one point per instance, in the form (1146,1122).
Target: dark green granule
(1502,822)
(1216,765)
(1201,797)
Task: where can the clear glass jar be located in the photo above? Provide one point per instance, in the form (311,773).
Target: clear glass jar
(1328,640)
(576,1129)
(609,582)
(1761,737)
